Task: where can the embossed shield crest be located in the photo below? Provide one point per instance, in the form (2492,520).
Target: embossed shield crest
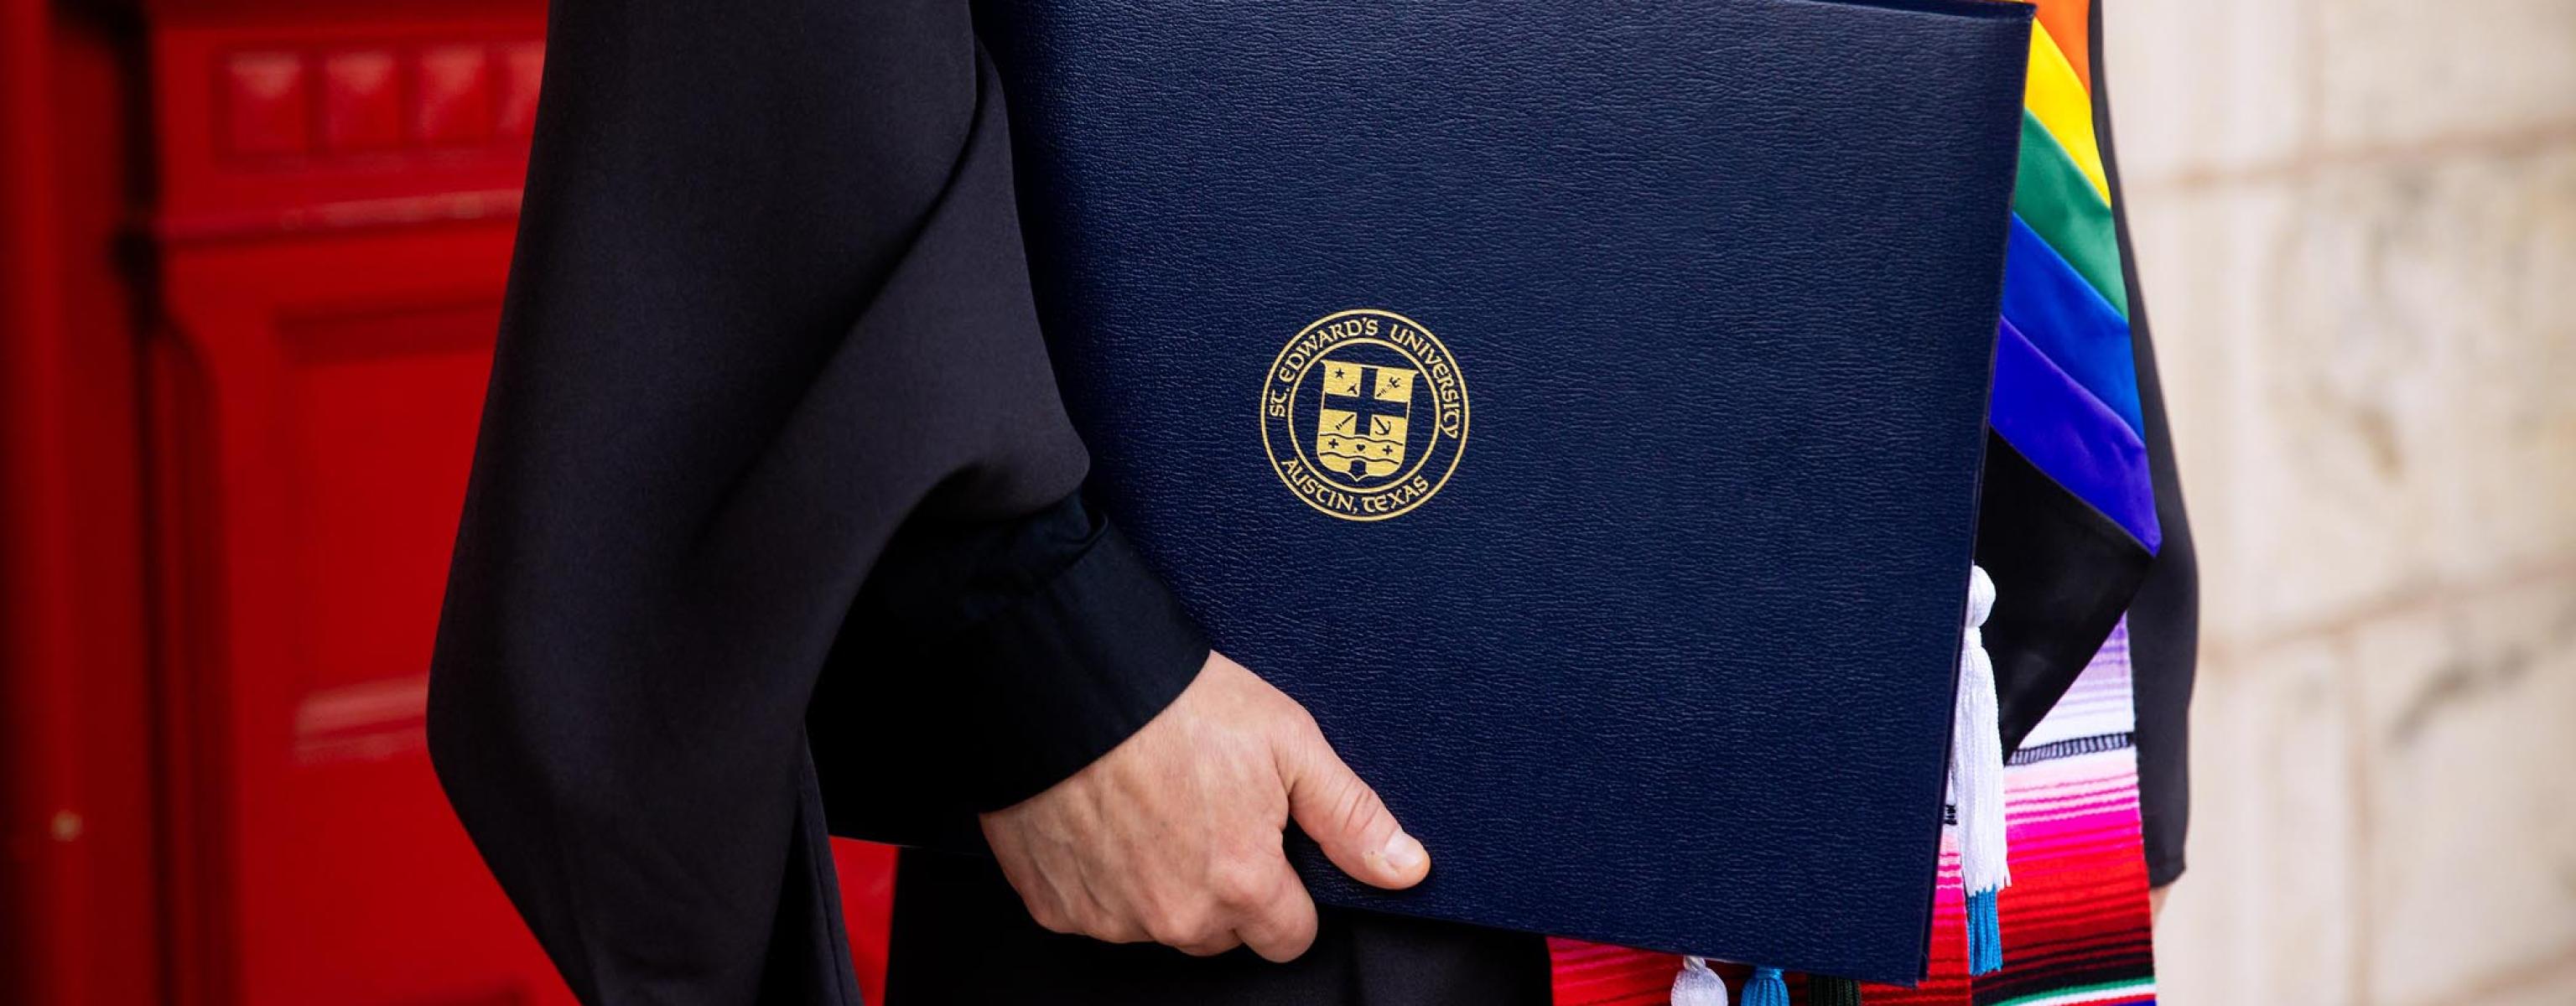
(1360,429)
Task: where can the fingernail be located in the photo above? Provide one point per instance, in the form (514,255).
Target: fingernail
(1402,852)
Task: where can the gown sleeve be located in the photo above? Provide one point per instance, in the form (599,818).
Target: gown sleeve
(768,322)
(2164,617)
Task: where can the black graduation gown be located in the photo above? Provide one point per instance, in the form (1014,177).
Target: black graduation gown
(774,527)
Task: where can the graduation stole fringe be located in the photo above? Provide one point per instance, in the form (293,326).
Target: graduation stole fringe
(1826,990)
(1697,985)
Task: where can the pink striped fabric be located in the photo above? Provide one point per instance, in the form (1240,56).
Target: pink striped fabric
(2075,919)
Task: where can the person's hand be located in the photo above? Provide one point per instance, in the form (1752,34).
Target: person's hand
(1174,835)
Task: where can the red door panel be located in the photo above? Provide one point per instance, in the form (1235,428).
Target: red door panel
(316,406)
(338,196)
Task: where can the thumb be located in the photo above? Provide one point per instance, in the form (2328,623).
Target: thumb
(1344,815)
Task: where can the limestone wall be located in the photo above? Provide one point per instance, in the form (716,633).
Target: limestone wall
(2356,222)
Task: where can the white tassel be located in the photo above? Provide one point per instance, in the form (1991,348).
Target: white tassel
(1977,750)
(1696,985)
(1977,763)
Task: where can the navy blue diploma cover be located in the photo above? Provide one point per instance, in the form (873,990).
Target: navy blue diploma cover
(1578,406)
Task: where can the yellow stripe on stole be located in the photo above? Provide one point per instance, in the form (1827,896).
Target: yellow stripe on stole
(2064,107)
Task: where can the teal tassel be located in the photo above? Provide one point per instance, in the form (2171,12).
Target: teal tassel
(1985,935)
(1766,988)
(1827,990)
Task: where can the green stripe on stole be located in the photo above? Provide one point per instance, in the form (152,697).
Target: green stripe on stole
(2054,198)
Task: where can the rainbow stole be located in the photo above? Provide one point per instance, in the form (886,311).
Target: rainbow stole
(2066,378)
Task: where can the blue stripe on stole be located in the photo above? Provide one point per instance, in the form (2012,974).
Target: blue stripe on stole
(2070,323)
(2071,435)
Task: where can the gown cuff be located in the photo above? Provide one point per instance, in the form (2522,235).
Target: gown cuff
(1062,674)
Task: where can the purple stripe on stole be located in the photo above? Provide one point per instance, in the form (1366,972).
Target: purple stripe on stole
(2072,436)
(2059,312)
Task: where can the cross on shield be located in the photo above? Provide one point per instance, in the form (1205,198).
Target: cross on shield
(1360,430)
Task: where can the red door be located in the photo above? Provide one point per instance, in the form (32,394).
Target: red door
(334,223)
(337,190)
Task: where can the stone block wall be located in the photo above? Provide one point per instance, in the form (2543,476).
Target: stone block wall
(2356,224)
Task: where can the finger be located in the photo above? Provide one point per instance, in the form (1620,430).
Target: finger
(1282,926)
(1211,947)
(1111,925)
(1345,816)
(1115,929)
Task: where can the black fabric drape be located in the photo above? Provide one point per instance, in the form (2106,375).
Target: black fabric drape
(2164,620)
(768,321)
(2064,573)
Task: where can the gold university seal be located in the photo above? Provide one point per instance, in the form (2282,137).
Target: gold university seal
(1364,414)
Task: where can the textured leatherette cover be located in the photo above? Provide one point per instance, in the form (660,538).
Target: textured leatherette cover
(1635,586)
